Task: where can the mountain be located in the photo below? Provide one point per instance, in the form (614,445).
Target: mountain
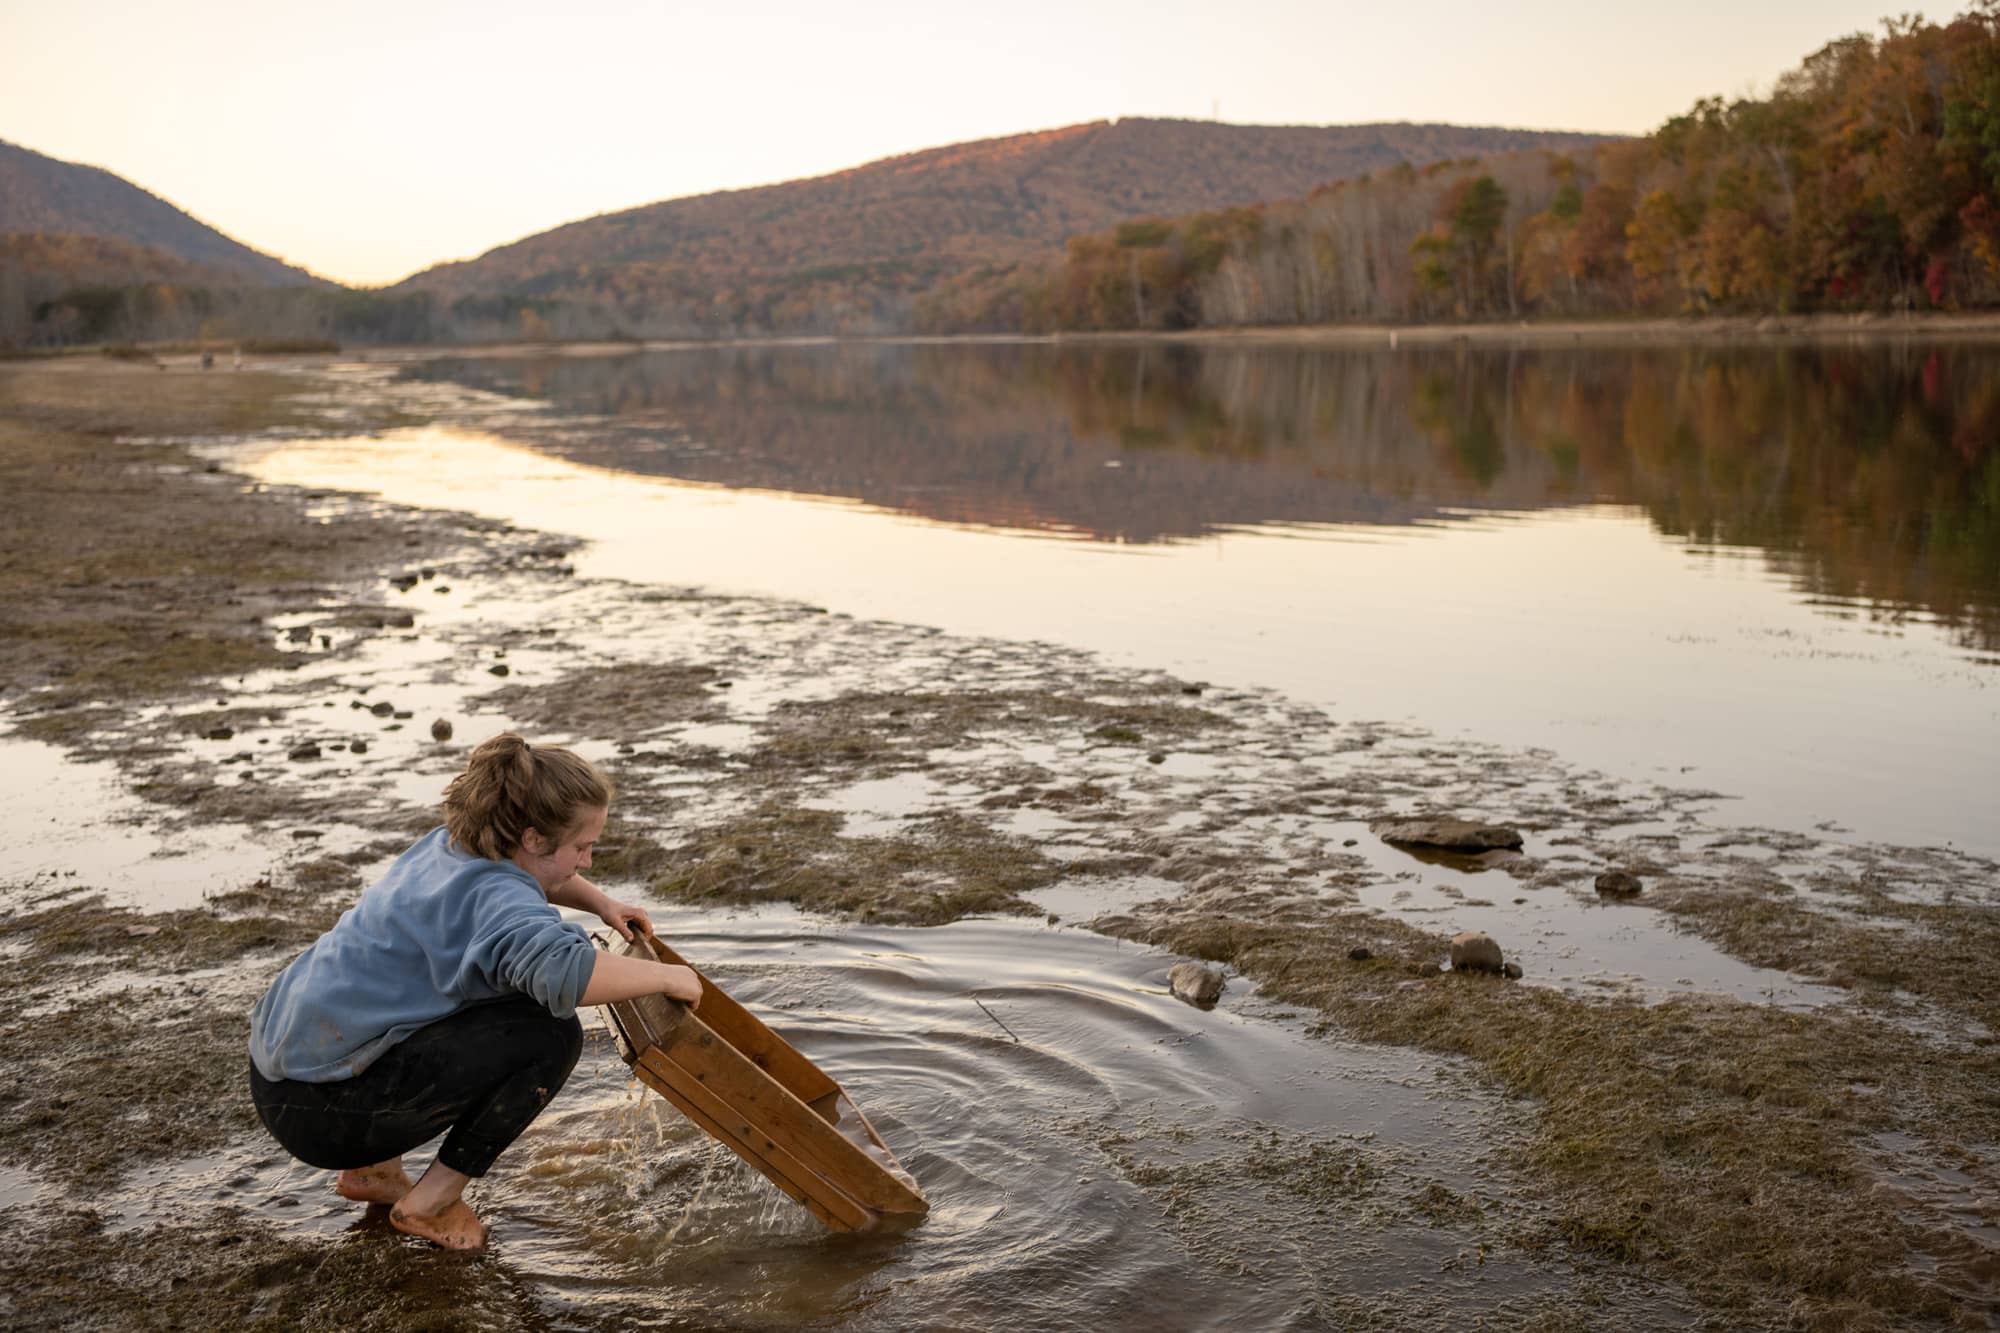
(44,196)
(849,252)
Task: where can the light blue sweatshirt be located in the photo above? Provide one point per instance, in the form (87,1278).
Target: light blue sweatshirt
(442,930)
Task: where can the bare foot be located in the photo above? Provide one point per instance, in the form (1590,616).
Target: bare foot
(456,1228)
(383,1183)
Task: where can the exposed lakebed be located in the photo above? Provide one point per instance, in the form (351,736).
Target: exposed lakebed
(883,773)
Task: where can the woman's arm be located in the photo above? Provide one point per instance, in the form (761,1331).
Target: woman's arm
(616,977)
(580,893)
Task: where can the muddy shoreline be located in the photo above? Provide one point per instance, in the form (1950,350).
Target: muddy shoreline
(260,666)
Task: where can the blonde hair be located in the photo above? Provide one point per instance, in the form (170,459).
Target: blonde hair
(510,786)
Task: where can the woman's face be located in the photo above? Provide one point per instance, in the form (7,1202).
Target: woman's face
(552,863)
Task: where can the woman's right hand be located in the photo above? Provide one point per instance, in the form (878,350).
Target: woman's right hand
(682,984)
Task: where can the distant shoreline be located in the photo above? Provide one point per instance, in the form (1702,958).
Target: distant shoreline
(1817,328)
(1732,328)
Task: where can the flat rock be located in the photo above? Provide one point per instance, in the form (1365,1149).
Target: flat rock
(1619,884)
(1476,951)
(1194,983)
(1458,835)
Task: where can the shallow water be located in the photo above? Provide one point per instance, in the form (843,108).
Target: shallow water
(1110,1153)
(1769,572)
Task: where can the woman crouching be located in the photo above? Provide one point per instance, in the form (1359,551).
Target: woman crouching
(444,1001)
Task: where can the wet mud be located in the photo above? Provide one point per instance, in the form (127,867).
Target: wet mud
(1682,1113)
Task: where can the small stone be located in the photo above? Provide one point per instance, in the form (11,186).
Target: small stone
(441,729)
(218,733)
(1458,835)
(298,634)
(442,589)
(402,620)
(1350,842)
(404,581)
(326,641)
(428,572)
(1191,689)
(402,714)
(1359,953)
(358,747)
(1512,971)
(1156,758)
(382,709)
(1053,918)
(1194,983)
(302,752)
(1475,951)
(499,669)
(1619,884)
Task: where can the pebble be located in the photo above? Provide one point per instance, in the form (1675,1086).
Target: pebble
(1619,884)
(1194,983)
(441,729)
(499,669)
(218,733)
(306,751)
(358,747)
(1475,951)
(382,709)
(1359,953)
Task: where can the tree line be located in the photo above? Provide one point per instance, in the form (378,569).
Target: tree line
(1869,179)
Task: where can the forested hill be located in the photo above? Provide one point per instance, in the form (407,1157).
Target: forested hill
(849,252)
(1868,180)
(44,196)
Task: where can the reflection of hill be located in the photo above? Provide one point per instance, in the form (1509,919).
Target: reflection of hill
(1869,473)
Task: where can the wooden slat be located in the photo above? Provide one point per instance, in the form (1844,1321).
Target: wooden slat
(749,1140)
(723,1135)
(787,1121)
(750,1089)
(742,1030)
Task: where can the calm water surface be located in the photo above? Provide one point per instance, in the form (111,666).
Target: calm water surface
(1771,572)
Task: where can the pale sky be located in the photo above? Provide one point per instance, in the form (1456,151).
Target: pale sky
(366,139)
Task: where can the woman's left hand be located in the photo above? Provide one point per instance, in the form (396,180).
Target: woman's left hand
(623,918)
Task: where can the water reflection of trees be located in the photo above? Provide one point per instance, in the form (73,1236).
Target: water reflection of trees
(1867,472)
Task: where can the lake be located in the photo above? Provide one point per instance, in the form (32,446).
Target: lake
(1771,572)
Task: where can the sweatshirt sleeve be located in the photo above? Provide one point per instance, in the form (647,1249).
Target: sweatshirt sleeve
(537,953)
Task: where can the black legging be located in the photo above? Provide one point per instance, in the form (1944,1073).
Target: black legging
(485,1073)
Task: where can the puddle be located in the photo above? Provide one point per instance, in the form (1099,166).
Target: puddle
(77,831)
(1092,1149)
(1564,937)
(1059,1132)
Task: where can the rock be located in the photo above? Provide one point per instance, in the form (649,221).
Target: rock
(1194,983)
(358,747)
(402,621)
(1475,951)
(1619,884)
(218,733)
(306,751)
(499,669)
(1156,758)
(1191,689)
(1512,971)
(140,932)
(382,709)
(441,729)
(1359,953)
(1458,835)
(404,581)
